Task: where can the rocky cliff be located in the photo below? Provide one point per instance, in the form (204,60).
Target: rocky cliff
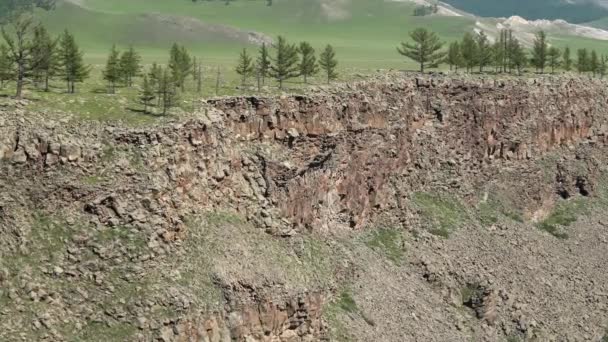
(398,209)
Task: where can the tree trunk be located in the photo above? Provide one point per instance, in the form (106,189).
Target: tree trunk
(305,80)
(20,76)
(422,67)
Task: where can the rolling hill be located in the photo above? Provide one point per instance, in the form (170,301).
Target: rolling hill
(576,11)
(364,32)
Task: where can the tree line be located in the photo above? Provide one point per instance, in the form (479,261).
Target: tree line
(29,52)
(475,52)
(289,61)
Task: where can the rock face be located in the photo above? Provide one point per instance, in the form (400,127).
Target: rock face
(324,164)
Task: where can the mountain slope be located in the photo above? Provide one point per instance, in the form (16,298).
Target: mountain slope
(364,32)
(573,11)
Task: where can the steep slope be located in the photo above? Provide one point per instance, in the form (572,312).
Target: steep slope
(390,210)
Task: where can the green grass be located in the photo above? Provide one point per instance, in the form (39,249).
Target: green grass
(442,213)
(388,242)
(564,215)
(347,303)
(365,37)
(492,209)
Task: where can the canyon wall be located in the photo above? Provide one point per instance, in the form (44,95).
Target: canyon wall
(331,161)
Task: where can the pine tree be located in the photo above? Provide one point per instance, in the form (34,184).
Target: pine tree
(245,67)
(147,94)
(308,63)
(44,56)
(517,56)
(484,51)
(554,58)
(19,43)
(154,76)
(603,66)
(285,63)
(498,55)
(425,50)
(582,61)
(328,62)
(263,63)
(594,63)
(468,49)
(539,51)
(112,71)
(180,64)
(199,78)
(454,57)
(130,66)
(71,62)
(566,60)
(6,66)
(194,68)
(168,91)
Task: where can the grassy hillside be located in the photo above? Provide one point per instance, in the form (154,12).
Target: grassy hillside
(573,11)
(364,32)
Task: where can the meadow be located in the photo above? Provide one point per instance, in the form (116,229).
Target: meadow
(364,33)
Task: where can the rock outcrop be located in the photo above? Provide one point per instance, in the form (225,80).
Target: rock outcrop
(327,163)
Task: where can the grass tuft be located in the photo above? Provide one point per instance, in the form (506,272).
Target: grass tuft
(443,213)
(564,215)
(388,242)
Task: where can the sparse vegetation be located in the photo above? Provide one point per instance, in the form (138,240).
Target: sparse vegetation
(564,214)
(490,210)
(443,213)
(388,242)
(347,303)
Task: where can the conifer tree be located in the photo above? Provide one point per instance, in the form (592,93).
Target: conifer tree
(263,63)
(19,43)
(6,66)
(425,50)
(245,67)
(517,56)
(594,63)
(582,60)
(285,62)
(539,51)
(199,79)
(328,62)
(194,68)
(71,62)
(112,71)
(484,51)
(554,58)
(454,57)
(168,91)
(154,76)
(468,49)
(130,66)
(308,62)
(498,55)
(603,67)
(180,65)
(44,56)
(566,59)
(147,94)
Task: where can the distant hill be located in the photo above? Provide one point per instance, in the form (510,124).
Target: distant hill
(364,33)
(576,11)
